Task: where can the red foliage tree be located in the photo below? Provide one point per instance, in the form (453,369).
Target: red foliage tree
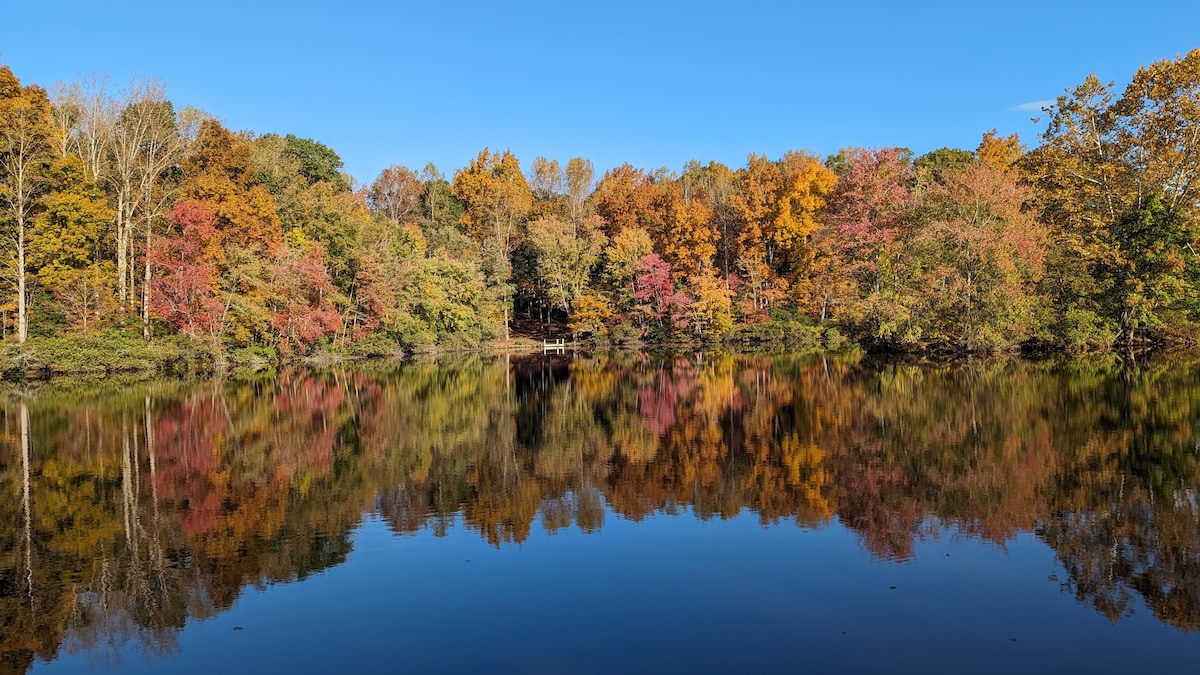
(652,285)
(302,298)
(869,211)
(185,294)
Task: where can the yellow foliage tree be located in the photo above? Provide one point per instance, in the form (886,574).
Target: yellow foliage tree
(999,152)
(497,200)
(26,133)
(220,173)
(590,315)
(712,304)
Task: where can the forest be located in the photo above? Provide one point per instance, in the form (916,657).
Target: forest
(138,232)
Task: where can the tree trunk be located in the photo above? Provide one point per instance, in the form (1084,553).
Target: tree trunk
(146,286)
(132,266)
(22,307)
(120,234)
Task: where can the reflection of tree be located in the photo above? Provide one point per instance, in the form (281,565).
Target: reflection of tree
(30,619)
(1127,515)
(96,556)
(129,511)
(1136,547)
(144,512)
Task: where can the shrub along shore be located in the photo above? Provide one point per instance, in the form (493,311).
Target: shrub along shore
(114,353)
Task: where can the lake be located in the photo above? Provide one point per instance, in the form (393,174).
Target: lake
(631,512)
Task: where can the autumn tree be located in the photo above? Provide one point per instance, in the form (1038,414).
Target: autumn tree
(218,171)
(981,257)
(625,198)
(65,243)
(310,204)
(335,219)
(806,185)
(303,300)
(497,199)
(625,253)
(566,256)
(685,236)
(755,204)
(714,184)
(711,310)
(590,315)
(547,182)
(165,141)
(553,267)
(579,179)
(275,168)
(1102,159)
(140,116)
(185,294)
(1157,288)
(85,113)
(777,203)
(440,208)
(26,139)
(397,193)
(1159,121)
(662,302)
(453,299)
(561,191)
(858,273)
(386,266)
(999,152)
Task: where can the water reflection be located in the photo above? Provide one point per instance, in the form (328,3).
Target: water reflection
(127,511)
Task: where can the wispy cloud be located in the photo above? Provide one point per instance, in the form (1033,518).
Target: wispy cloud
(1035,105)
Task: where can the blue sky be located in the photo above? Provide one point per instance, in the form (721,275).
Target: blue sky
(650,83)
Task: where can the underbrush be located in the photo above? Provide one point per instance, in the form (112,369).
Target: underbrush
(103,353)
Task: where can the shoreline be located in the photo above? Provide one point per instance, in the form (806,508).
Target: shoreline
(173,358)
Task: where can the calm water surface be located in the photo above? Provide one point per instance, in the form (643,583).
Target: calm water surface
(635,513)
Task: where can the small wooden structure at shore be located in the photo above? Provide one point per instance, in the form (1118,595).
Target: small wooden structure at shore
(559,345)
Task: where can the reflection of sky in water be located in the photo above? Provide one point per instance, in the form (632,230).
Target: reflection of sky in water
(668,594)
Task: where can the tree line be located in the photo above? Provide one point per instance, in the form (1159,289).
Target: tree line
(125,214)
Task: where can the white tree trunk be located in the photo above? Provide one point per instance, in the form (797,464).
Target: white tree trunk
(146,284)
(22,306)
(121,259)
